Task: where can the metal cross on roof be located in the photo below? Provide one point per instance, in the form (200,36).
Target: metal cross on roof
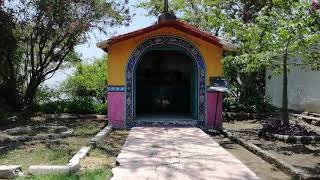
(166,15)
(166,6)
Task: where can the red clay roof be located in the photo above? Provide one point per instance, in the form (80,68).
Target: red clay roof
(182,26)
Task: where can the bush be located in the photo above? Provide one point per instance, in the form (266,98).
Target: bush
(247,104)
(76,106)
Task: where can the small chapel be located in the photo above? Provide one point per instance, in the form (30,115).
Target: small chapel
(169,73)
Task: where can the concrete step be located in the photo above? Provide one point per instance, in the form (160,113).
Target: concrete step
(169,123)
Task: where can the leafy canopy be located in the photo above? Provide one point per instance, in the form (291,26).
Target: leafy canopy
(48,31)
(88,81)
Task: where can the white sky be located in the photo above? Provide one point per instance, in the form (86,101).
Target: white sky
(89,50)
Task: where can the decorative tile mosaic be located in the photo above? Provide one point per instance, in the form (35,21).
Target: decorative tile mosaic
(116,89)
(158,42)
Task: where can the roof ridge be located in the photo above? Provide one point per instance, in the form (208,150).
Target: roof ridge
(177,24)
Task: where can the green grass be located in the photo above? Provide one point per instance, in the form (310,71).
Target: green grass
(96,166)
(96,174)
(36,152)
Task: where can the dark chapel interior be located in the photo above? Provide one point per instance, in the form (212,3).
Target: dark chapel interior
(165,83)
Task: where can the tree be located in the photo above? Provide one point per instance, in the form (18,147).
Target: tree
(49,30)
(8,47)
(209,15)
(222,18)
(82,92)
(287,29)
(88,81)
(268,33)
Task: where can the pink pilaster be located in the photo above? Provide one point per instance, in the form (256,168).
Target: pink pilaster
(116,109)
(214,110)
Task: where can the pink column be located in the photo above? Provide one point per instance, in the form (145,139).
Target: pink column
(116,109)
(214,110)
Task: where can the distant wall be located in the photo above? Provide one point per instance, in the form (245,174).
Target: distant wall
(303,89)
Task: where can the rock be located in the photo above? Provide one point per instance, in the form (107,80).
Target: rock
(21,138)
(18,130)
(9,172)
(287,153)
(66,133)
(3,148)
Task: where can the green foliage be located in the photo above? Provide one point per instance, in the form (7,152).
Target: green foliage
(81,93)
(77,106)
(88,81)
(46,94)
(265,31)
(282,30)
(247,89)
(286,28)
(47,32)
(223,18)
(8,51)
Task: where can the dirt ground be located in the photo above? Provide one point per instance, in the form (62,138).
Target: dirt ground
(105,154)
(263,170)
(303,157)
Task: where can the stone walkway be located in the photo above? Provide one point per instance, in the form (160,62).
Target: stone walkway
(176,153)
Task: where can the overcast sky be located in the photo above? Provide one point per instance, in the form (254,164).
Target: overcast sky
(89,51)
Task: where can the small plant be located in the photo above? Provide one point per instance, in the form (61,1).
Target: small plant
(283,129)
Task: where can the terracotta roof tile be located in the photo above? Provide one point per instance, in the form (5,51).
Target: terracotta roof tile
(179,25)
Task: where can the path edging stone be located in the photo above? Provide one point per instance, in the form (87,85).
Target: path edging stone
(294,139)
(287,168)
(308,119)
(80,154)
(232,116)
(74,116)
(101,135)
(11,171)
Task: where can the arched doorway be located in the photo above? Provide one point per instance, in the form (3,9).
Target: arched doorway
(164,42)
(166,84)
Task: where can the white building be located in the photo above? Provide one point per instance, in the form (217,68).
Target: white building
(303,89)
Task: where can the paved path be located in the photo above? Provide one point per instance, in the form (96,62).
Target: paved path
(176,153)
(263,170)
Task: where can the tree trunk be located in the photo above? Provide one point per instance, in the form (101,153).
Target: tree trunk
(31,93)
(285,114)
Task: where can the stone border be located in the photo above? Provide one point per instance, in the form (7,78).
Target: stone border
(63,132)
(231,116)
(308,119)
(294,139)
(10,172)
(64,116)
(60,116)
(44,170)
(268,157)
(72,167)
(101,135)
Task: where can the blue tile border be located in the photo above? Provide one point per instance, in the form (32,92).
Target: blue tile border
(158,42)
(116,89)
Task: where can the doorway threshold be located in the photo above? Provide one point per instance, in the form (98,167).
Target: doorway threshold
(165,120)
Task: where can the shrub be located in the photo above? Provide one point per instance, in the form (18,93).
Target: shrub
(77,106)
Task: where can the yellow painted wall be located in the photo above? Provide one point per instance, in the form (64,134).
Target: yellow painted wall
(120,52)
